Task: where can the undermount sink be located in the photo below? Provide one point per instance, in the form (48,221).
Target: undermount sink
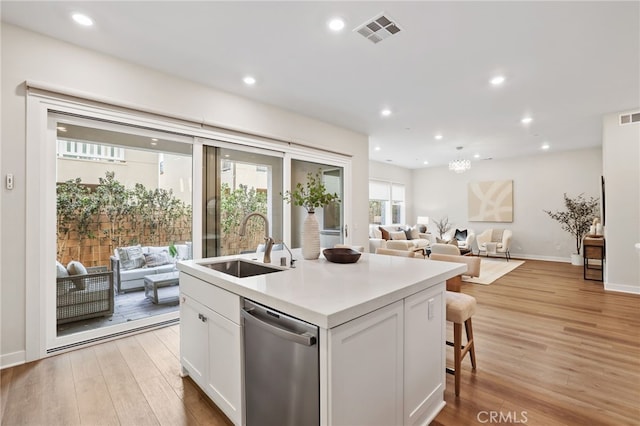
(241,268)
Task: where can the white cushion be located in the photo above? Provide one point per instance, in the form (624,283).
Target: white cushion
(131,257)
(398,235)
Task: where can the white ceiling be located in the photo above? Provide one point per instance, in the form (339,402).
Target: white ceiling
(566,64)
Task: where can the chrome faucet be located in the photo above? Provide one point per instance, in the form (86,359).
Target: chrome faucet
(268,241)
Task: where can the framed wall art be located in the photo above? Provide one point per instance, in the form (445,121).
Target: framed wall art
(491,201)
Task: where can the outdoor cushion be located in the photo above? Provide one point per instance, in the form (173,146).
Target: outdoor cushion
(61,271)
(157,259)
(131,257)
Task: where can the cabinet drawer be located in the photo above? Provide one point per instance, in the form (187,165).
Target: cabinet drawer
(219,300)
(593,252)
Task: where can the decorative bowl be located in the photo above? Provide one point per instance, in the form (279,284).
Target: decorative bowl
(341,255)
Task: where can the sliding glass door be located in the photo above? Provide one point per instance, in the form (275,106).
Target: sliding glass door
(331,216)
(237,183)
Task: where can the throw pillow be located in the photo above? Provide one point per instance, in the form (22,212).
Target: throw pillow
(157,259)
(76,268)
(461,235)
(385,233)
(453,242)
(408,234)
(131,257)
(398,235)
(441,241)
(415,233)
(61,271)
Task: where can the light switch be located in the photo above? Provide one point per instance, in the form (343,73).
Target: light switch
(10,181)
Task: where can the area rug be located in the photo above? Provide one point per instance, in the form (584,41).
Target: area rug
(492,269)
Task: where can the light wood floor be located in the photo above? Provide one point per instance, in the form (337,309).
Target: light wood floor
(552,349)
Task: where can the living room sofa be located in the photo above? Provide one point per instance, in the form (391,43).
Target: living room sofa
(403,237)
(131,264)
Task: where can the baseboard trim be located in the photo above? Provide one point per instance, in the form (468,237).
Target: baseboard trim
(622,288)
(12,359)
(536,257)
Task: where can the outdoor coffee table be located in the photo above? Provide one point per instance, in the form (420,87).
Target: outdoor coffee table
(153,282)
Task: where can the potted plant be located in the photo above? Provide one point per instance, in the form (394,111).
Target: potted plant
(311,195)
(443,225)
(576,220)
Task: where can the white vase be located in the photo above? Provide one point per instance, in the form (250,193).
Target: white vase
(576,259)
(310,237)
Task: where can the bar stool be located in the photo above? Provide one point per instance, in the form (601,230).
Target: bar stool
(460,308)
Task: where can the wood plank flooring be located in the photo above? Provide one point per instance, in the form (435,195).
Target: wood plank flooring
(552,349)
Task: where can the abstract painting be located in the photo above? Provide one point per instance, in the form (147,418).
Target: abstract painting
(491,201)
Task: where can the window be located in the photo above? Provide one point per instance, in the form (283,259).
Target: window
(89,151)
(386,203)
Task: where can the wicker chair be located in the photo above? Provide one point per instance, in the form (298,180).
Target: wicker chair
(80,297)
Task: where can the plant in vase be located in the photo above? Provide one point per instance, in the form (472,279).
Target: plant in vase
(311,195)
(576,220)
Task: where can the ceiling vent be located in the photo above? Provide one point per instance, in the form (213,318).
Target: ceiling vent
(378,28)
(634,117)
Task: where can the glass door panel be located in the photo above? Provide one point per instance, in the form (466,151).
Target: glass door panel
(331,216)
(237,183)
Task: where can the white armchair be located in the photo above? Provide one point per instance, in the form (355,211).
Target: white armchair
(494,241)
(465,238)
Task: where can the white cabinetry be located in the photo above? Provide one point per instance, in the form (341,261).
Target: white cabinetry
(424,362)
(384,368)
(365,367)
(210,343)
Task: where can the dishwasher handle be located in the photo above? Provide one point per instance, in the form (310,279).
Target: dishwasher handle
(304,339)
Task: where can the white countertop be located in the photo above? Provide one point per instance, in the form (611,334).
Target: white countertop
(329,294)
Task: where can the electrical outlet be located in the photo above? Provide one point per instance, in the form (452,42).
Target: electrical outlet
(10,181)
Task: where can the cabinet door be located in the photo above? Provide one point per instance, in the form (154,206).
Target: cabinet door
(365,367)
(225,360)
(424,361)
(193,339)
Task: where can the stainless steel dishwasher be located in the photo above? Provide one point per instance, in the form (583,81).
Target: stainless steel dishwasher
(281,368)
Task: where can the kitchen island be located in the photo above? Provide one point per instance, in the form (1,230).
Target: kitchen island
(381,333)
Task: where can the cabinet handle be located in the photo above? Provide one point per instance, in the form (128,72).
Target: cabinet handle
(202,318)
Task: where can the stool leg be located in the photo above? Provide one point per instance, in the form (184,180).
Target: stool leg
(457,354)
(470,342)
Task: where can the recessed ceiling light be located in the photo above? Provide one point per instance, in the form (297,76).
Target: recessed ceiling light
(385,112)
(154,139)
(61,128)
(526,120)
(438,136)
(336,24)
(82,19)
(154,143)
(249,81)
(497,80)
(545,146)
(476,156)
(377,148)
(425,162)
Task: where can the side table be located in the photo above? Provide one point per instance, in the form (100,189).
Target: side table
(594,250)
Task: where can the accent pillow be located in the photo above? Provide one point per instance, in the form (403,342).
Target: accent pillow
(157,259)
(61,271)
(461,235)
(76,268)
(408,234)
(398,235)
(441,241)
(385,233)
(415,233)
(131,257)
(453,242)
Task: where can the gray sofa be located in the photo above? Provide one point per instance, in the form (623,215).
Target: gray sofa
(129,276)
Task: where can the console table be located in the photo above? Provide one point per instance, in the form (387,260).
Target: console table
(593,249)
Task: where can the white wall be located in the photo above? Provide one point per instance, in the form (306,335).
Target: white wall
(621,165)
(30,56)
(539,183)
(390,173)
